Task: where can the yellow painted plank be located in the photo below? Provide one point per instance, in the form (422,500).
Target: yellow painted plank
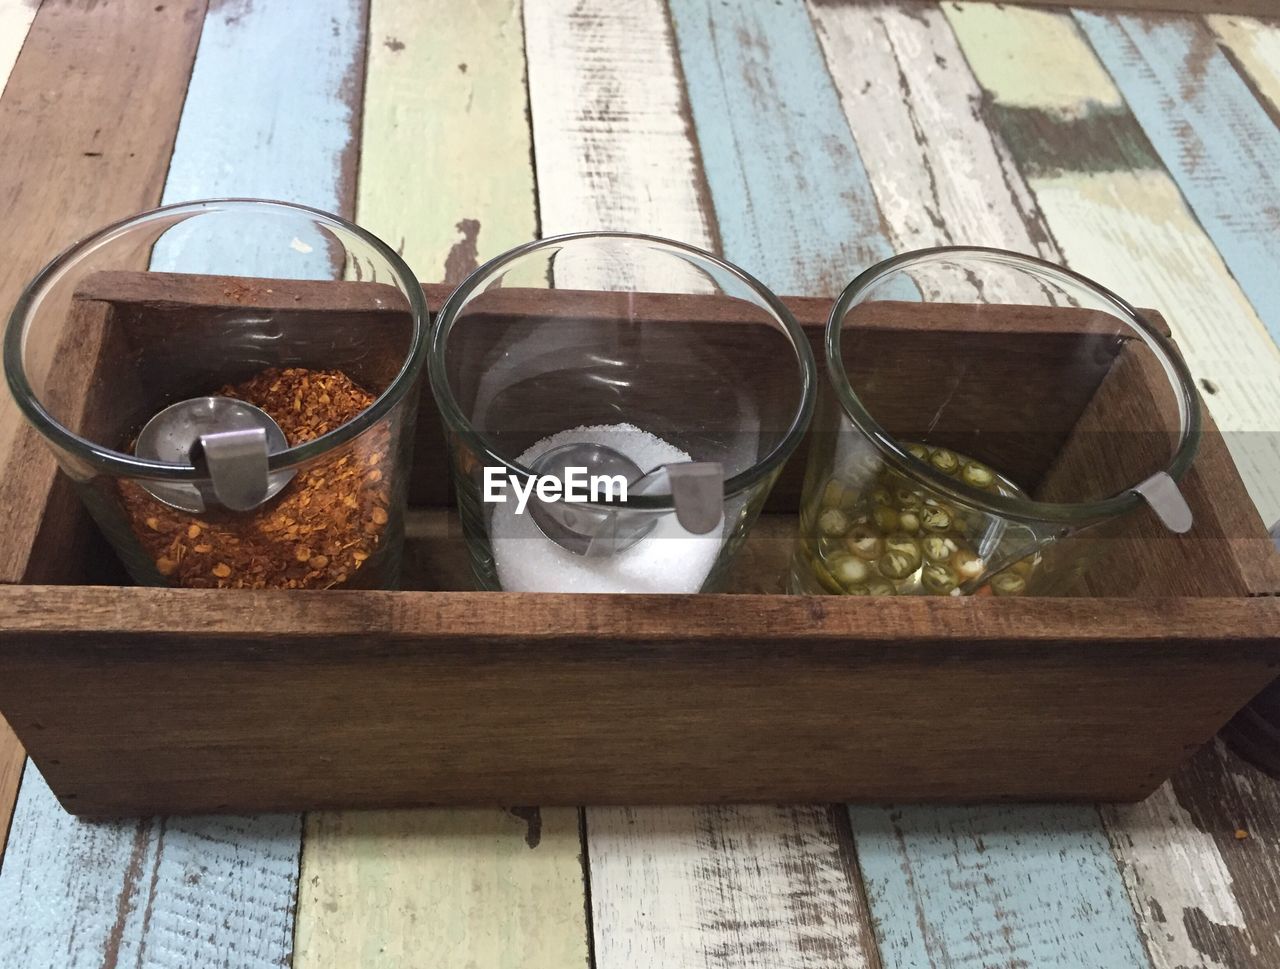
(446,174)
(1118,217)
(442,889)
(1255,47)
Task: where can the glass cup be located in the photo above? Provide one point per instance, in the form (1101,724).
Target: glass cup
(232,386)
(989,417)
(611,352)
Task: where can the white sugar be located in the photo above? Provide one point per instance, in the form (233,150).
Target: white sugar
(668,559)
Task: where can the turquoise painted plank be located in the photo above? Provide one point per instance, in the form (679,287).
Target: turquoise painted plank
(987,886)
(1015,886)
(791,196)
(268,114)
(1215,138)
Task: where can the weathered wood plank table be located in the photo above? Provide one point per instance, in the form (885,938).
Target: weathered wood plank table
(803,142)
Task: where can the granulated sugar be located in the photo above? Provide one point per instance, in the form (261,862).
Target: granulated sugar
(668,559)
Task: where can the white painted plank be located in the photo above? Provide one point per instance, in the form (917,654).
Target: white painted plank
(915,112)
(610,124)
(751,887)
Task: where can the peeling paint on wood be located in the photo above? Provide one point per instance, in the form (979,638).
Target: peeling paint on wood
(1216,140)
(703,886)
(215,892)
(610,124)
(1254,47)
(442,889)
(446,176)
(1008,886)
(914,108)
(1202,859)
(153,893)
(1017,886)
(749,887)
(791,195)
(1133,230)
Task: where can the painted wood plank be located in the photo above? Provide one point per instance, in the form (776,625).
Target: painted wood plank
(1209,875)
(1213,136)
(745,886)
(446,175)
(445,164)
(939,176)
(1118,217)
(611,126)
(705,886)
(442,889)
(791,195)
(962,886)
(1254,47)
(15,21)
(267,113)
(981,886)
(69,161)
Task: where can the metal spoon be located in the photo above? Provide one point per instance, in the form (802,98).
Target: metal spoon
(696,487)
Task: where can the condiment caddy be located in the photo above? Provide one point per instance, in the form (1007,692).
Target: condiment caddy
(135,699)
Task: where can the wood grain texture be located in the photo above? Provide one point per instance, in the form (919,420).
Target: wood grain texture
(143,893)
(610,122)
(940,176)
(995,885)
(267,114)
(15,21)
(707,882)
(791,195)
(1119,218)
(75,154)
(1130,226)
(78,153)
(445,170)
(415,699)
(670,884)
(12,757)
(1201,859)
(442,888)
(444,102)
(1254,47)
(1214,137)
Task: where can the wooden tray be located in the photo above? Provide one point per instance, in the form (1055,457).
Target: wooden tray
(138,700)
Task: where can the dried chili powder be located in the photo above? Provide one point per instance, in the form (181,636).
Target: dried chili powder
(323,528)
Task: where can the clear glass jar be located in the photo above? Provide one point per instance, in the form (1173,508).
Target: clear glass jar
(646,348)
(195,310)
(988,417)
